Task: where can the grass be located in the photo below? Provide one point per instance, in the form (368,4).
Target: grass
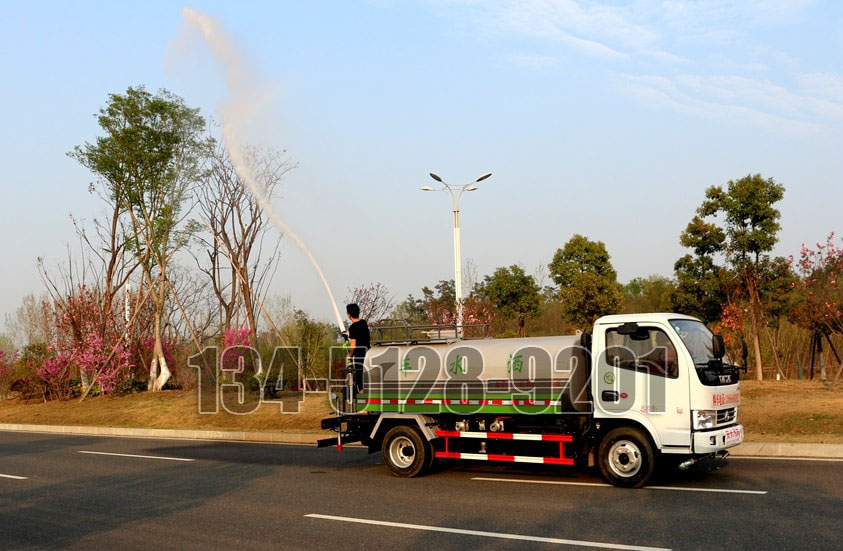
(162,410)
(788,411)
(792,411)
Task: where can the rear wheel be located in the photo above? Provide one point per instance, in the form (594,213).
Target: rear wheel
(405,452)
(626,457)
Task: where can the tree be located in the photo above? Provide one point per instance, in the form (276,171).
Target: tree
(238,267)
(587,281)
(410,310)
(751,225)
(313,338)
(699,280)
(514,293)
(440,306)
(820,285)
(650,294)
(30,323)
(374,301)
(150,156)
(819,296)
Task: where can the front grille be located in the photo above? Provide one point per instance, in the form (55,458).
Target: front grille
(726,416)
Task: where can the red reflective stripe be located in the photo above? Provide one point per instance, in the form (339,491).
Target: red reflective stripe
(373,402)
(499,435)
(497,402)
(447,433)
(558,461)
(493,457)
(428,401)
(393,402)
(558,437)
(447,455)
(411,402)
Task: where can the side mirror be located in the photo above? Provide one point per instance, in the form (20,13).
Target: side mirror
(718,346)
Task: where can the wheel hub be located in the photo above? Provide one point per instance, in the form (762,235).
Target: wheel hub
(402,452)
(625,458)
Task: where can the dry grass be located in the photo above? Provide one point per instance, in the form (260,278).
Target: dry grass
(792,411)
(162,410)
(789,411)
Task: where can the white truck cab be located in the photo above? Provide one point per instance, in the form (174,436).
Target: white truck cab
(662,372)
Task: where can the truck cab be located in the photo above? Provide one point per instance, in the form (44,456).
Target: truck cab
(668,375)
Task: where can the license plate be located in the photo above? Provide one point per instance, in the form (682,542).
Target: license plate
(732,436)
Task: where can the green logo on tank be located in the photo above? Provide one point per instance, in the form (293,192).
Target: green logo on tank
(609,378)
(514,364)
(457,365)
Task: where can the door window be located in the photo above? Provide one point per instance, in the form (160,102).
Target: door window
(649,350)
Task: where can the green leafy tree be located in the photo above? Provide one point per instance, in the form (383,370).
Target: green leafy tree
(587,281)
(514,293)
(751,225)
(150,154)
(650,294)
(700,289)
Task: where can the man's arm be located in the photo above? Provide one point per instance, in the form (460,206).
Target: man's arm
(352,344)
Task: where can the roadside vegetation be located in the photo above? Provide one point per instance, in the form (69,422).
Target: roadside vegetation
(181,257)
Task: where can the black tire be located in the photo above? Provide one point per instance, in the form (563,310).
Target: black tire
(405,452)
(626,457)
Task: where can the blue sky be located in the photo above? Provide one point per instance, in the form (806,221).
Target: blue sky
(607,119)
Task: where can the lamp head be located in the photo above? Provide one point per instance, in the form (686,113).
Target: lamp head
(435,177)
(427,188)
(480,179)
(471,188)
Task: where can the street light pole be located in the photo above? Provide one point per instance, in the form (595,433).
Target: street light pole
(455,201)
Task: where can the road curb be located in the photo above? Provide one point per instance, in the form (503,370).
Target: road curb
(184,434)
(788,449)
(747,449)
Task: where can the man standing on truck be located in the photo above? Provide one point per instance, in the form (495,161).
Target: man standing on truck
(358,342)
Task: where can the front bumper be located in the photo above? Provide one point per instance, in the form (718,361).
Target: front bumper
(715,440)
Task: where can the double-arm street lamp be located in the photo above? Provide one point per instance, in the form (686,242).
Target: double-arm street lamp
(455,200)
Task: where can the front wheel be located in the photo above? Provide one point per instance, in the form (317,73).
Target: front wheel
(405,452)
(626,457)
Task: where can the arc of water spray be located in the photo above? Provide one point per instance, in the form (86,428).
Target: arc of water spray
(233,114)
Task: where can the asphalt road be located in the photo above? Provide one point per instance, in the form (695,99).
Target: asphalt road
(54,494)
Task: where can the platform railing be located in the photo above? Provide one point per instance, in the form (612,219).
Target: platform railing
(395,332)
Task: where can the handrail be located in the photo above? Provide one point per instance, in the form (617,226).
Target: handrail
(412,334)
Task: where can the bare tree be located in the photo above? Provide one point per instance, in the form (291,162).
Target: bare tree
(30,323)
(374,301)
(240,262)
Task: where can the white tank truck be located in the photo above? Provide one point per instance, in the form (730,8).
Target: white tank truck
(638,389)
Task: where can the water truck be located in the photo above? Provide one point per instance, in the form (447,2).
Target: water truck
(637,389)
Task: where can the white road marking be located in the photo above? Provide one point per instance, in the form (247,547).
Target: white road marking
(140,456)
(500,535)
(768,457)
(599,484)
(13,477)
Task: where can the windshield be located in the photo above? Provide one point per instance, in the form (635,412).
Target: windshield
(697,339)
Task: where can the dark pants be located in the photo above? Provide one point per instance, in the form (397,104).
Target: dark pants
(357,370)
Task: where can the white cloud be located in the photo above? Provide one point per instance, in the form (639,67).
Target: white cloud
(729,97)
(698,57)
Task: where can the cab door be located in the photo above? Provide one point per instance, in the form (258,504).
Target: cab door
(639,375)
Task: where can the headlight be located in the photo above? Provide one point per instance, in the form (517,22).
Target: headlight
(704,418)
